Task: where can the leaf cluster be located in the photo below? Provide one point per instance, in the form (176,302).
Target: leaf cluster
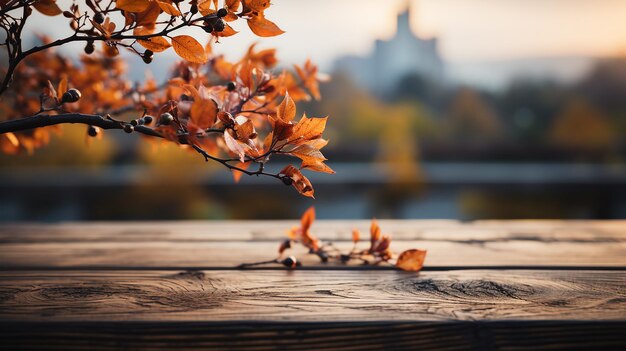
(239,113)
(378,252)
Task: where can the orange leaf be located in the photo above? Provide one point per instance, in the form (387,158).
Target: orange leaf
(62,86)
(282,130)
(307,219)
(47,7)
(311,158)
(233,5)
(256,5)
(188,48)
(204,113)
(355,235)
(237,174)
(9,143)
(156,44)
(234,145)
(206,8)
(227,32)
(132,5)
(168,8)
(374,233)
(307,129)
(264,27)
(287,109)
(411,260)
(299,181)
(148,17)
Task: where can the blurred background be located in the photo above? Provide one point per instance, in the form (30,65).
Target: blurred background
(463,109)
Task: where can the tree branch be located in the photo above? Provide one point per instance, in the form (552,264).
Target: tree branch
(44,120)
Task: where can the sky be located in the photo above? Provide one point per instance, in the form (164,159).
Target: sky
(468,30)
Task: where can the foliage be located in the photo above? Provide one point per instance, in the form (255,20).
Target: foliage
(238,114)
(379,250)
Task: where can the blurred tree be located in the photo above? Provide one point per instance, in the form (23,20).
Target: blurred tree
(582,127)
(472,120)
(69,146)
(527,108)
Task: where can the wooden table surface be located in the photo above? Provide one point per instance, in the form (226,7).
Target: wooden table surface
(175,285)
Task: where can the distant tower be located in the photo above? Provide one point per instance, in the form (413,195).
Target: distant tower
(403,55)
(404,20)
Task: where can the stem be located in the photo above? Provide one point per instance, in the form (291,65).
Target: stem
(44,120)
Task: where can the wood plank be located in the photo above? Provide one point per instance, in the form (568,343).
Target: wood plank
(312,296)
(568,231)
(207,255)
(302,336)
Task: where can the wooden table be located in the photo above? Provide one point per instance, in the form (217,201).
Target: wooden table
(486,285)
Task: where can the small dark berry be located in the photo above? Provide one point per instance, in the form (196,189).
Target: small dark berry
(222,12)
(231,86)
(219,26)
(166,118)
(193,9)
(135,122)
(323,256)
(147,120)
(92,131)
(89,48)
(290,262)
(98,18)
(146,59)
(286,180)
(128,128)
(208,28)
(148,53)
(71,95)
(344,258)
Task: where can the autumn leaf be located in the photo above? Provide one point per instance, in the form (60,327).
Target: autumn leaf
(307,219)
(168,8)
(233,5)
(256,5)
(356,235)
(148,17)
(47,7)
(189,49)
(227,32)
(287,109)
(374,233)
(312,158)
(156,44)
(62,86)
(282,130)
(204,113)
(263,27)
(303,233)
(299,181)
(237,174)
(307,129)
(234,145)
(411,260)
(132,5)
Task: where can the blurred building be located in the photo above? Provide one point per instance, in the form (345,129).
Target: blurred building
(403,55)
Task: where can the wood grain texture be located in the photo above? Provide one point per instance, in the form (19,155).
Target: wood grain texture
(106,286)
(448,230)
(207,255)
(312,296)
